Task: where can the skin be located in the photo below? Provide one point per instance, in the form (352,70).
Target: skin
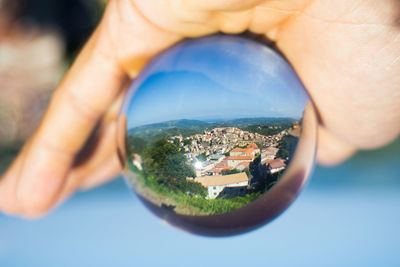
(347,53)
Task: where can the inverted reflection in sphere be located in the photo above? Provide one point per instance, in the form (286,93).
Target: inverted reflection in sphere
(217,135)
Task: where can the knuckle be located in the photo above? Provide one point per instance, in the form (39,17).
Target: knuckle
(81,106)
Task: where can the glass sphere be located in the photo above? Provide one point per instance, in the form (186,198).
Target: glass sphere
(217,135)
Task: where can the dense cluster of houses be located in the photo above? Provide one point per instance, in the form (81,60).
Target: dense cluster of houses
(221,140)
(228,149)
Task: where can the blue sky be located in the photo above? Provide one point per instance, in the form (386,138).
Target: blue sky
(217,77)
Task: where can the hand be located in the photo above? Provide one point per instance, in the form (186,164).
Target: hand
(347,54)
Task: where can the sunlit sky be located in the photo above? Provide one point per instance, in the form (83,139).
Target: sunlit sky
(215,78)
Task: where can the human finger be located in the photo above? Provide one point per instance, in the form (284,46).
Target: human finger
(65,128)
(98,163)
(347,59)
(8,185)
(222,5)
(331,150)
(88,89)
(73,112)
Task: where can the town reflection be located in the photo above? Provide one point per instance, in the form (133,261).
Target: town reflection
(206,168)
(218,135)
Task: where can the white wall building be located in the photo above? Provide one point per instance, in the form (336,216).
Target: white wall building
(216,183)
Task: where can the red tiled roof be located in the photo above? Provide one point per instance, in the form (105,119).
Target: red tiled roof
(240,158)
(238,149)
(276,163)
(271,149)
(244,163)
(218,170)
(250,150)
(253,146)
(216,180)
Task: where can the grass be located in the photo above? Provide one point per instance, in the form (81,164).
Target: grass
(193,205)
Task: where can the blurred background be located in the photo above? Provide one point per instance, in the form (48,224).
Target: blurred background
(348,215)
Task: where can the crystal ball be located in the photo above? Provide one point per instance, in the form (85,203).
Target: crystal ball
(217,135)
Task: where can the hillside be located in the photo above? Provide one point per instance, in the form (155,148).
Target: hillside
(185,127)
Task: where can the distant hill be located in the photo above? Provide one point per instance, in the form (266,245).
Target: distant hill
(170,124)
(187,127)
(169,128)
(257,121)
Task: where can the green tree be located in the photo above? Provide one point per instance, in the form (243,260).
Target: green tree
(154,157)
(259,174)
(194,188)
(164,162)
(187,142)
(177,167)
(135,145)
(284,146)
(259,145)
(177,142)
(202,157)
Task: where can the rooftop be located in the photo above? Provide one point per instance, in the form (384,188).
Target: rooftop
(250,150)
(276,163)
(244,163)
(216,180)
(238,149)
(271,149)
(219,170)
(240,158)
(252,146)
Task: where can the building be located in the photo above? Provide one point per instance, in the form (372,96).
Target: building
(205,168)
(219,167)
(255,147)
(269,153)
(238,152)
(250,150)
(233,161)
(137,161)
(218,170)
(276,165)
(216,183)
(242,165)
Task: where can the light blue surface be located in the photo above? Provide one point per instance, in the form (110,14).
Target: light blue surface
(347,216)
